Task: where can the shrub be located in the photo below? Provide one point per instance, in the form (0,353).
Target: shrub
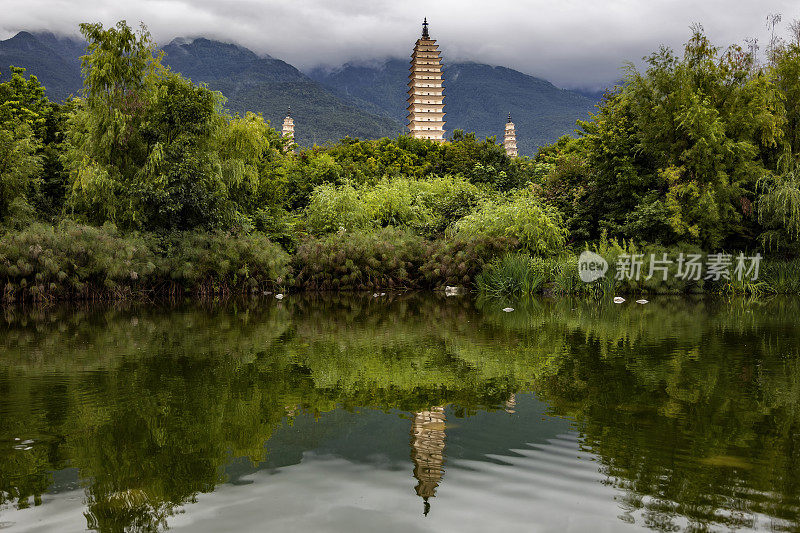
(538,228)
(458,261)
(779,209)
(781,277)
(281,226)
(334,208)
(447,199)
(396,203)
(76,261)
(217,261)
(43,261)
(426,206)
(611,250)
(361,260)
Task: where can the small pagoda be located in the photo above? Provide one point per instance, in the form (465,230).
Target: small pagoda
(425,90)
(288,125)
(510,138)
(288,131)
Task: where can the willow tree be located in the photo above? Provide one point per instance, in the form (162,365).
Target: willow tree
(779,210)
(779,198)
(104,147)
(148,149)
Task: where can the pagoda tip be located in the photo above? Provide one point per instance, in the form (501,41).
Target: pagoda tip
(425,29)
(509,117)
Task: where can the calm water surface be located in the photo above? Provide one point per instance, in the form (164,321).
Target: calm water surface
(402,413)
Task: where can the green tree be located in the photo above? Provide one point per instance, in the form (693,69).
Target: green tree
(537,227)
(677,150)
(148,149)
(104,146)
(784,70)
(23,115)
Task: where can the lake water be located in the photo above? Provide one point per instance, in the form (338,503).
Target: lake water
(403,413)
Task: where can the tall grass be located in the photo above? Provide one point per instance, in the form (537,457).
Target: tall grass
(564,279)
(513,274)
(517,274)
(781,276)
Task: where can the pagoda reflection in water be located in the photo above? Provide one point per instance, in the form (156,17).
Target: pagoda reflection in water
(427,452)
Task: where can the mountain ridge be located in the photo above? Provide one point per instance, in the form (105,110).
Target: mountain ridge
(365,100)
(249,82)
(50,58)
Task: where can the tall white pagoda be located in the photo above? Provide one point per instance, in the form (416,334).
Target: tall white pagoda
(510,138)
(425,90)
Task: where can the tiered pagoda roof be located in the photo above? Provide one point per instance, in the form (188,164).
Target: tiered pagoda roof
(426,90)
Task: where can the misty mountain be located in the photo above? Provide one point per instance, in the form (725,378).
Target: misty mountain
(54,60)
(478,98)
(359,101)
(270,86)
(249,82)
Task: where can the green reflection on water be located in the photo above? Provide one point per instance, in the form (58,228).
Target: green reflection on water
(691,407)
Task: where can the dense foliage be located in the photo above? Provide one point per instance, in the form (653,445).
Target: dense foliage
(676,153)
(699,151)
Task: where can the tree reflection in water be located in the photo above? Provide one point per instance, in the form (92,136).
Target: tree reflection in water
(692,408)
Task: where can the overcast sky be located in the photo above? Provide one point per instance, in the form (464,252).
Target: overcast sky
(573,43)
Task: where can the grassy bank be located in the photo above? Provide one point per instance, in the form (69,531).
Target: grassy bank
(71,261)
(517,274)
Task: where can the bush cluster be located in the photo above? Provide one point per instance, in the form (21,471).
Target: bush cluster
(428,206)
(77,261)
(522,216)
(45,261)
(214,261)
(391,258)
(385,258)
(458,261)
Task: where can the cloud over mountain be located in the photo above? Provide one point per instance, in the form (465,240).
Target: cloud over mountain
(572,43)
